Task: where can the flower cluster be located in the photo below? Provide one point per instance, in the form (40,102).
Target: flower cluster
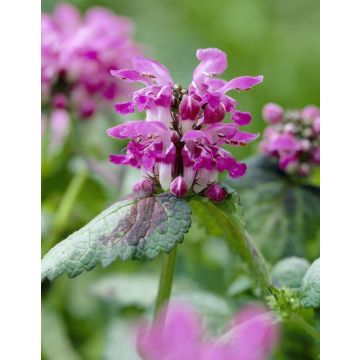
(77,54)
(293,137)
(251,336)
(178,146)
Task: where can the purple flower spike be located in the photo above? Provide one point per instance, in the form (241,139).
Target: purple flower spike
(293,137)
(179,145)
(272,113)
(178,187)
(216,192)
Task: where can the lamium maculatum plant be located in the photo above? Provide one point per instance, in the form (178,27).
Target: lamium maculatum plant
(178,151)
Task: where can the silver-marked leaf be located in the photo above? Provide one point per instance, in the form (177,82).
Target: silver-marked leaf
(136,227)
(225,219)
(310,287)
(281,215)
(289,272)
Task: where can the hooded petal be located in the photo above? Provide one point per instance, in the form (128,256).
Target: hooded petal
(135,129)
(152,69)
(212,62)
(243,138)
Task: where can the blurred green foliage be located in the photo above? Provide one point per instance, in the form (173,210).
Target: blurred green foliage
(278,39)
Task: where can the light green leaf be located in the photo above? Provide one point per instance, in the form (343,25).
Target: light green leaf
(282,216)
(120,341)
(133,228)
(127,289)
(310,287)
(289,272)
(55,343)
(225,219)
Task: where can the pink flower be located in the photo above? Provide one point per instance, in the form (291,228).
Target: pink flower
(77,54)
(183,131)
(251,336)
(293,138)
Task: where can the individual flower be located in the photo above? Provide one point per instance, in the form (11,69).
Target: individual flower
(183,132)
(180,335)
(77,54)
(293,137)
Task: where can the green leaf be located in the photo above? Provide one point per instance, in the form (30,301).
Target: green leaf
(133,228)
(55,343)
(289,272)
(310,287)
(127,289)
(225,219)
(281,215)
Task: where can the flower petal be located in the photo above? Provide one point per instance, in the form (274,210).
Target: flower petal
(241,83)
(243,138)
(124,108)
(241,118)
(135,129)
(130,75)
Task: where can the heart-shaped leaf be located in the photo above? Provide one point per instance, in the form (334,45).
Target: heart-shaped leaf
(281,215)
(310,287)
(136,227)
(225,219)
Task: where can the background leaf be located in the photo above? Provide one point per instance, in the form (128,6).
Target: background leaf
(310,287)
(55,342)
(289,272)
(282,216)
(225,219)
(132,228)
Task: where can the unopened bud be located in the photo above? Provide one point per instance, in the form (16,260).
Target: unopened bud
(178,187)
(189,108)
(272,113)
(214,115)
(216,192)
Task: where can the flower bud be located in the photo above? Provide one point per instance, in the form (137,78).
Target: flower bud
(272,113)
(310,112)
(146,186)
(189,108)
(178,187)
(215,192)
(214,115)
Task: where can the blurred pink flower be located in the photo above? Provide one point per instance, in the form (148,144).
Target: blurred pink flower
(77,54)
(293,137)
(252,335)
(183,132)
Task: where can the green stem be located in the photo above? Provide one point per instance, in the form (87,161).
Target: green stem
(306,326)
(166,279)
(63,212)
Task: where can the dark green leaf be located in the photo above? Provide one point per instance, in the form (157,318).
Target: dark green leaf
(225,219)
(310,287)
(281,215)
(133,228)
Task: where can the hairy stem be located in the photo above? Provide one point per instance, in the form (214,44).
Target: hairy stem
(297,319)
(166,279)
(63,212)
